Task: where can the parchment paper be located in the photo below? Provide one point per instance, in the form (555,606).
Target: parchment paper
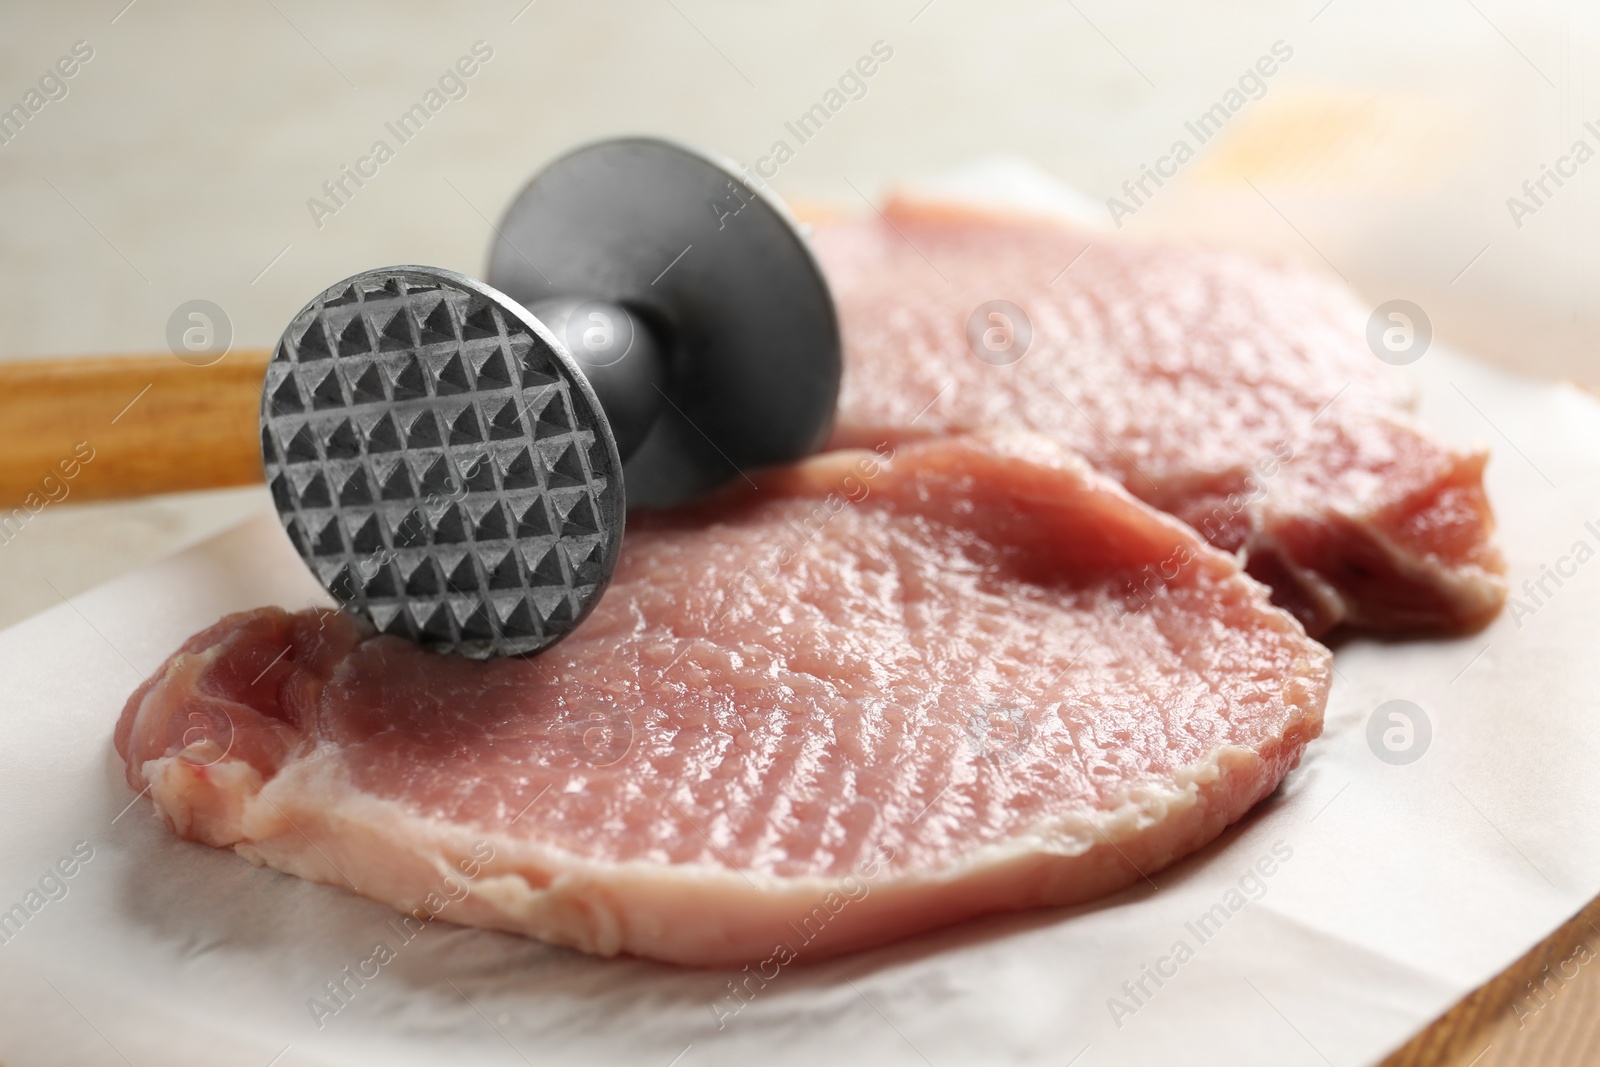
(1392,889)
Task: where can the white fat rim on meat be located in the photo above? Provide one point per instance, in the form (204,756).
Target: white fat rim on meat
(307,815)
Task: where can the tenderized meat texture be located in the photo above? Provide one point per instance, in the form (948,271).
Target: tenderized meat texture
(1238,396)
(874,698)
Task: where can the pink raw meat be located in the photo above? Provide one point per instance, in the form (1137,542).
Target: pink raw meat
(876,697)
(1238,396)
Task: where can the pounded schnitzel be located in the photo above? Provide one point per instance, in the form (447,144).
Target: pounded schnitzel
(1238,396)
(874,697)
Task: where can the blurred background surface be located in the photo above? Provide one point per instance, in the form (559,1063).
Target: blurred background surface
(186,157)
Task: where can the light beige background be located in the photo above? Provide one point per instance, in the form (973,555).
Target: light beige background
(180,163)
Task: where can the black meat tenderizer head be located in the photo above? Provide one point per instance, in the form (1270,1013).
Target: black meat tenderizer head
(450,461)
(440,463)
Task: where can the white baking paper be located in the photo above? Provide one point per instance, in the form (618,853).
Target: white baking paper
(1393,889)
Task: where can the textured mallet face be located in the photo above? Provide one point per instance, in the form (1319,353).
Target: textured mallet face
(438,464)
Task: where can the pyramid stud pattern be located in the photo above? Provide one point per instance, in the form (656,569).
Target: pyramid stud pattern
(438,465)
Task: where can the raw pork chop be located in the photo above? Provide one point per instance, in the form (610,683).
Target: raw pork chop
(874,698)
(1238,396)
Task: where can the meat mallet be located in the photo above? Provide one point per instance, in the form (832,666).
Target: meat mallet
(454,460)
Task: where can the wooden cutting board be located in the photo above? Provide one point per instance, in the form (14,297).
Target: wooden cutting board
(1544,1009)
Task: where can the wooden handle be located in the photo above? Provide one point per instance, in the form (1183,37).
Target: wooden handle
(122,426)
